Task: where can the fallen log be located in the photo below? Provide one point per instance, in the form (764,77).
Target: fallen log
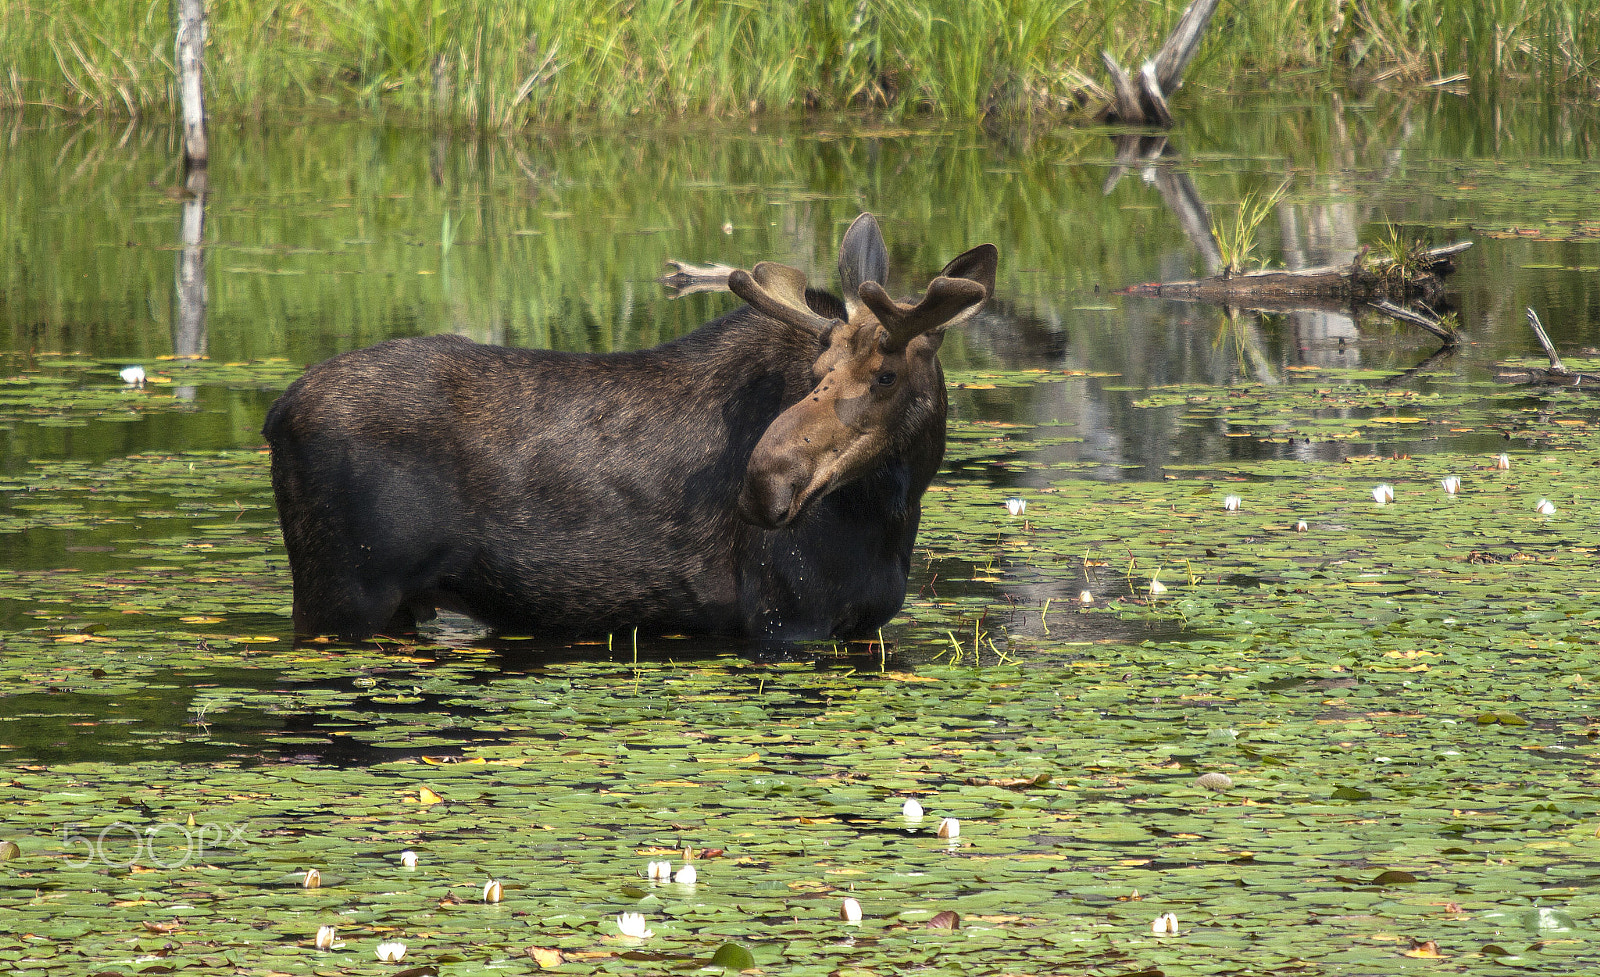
(1356,282)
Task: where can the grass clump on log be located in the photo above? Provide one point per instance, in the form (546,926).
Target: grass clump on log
(503,63)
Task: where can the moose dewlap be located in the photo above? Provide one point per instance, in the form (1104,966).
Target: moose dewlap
(761,476)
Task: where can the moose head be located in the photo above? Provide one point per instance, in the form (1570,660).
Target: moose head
(877,380)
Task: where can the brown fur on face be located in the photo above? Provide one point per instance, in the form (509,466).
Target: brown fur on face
(878,377)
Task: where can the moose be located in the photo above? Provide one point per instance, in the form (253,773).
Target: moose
(761,476)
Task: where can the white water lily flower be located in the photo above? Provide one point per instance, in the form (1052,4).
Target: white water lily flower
(1165,924)
(1383,494)
(1016,506)
(1157,587)
(1301,526)
(949,828)
(1232,503)
(1451,484)
(1502,461)
(850,911)
(408,859)
(685,875)
(911,810)
(325,935)
(1545,508)
(1084,597)
(659,871)
(492,891)
(632,924)
(133,376)
(313,879)
(391,952)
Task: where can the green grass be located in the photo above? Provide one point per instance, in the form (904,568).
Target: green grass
(503,63)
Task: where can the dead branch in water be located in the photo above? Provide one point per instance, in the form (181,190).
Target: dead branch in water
(1145,102)
(1417,317)
(1556,367)
(1557,374)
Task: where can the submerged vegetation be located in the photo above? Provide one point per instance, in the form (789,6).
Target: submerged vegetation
(1339,737)
(505,63)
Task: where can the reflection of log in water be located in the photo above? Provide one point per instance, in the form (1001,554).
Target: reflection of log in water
(1177,189)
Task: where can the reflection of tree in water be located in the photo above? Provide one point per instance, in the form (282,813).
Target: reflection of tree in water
(189,286)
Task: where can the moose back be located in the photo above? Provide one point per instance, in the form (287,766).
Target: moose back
(761,476)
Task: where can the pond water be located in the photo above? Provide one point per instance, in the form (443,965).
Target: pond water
(144,595)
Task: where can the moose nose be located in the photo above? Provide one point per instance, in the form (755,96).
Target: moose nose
(770,485)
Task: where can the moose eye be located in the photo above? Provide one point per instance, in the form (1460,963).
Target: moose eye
(886,378)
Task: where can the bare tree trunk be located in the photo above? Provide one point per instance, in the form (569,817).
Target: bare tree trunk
(191,43)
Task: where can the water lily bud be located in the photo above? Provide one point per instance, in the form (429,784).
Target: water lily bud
(632,924)
(727,227)
(313,879)
(850,912)
(1165,924)
(408,859)
(1450,484)
(659,871)
(491,891)
(1545,508)
(1383,494)
(911,810)
(1214,781)
(949,828)
(133,376)
(1016,506)
(1157,587)
(1084,597)
(1232,503)
(685,875)
(1301,526)
(1502,461)
(391,952)
(325,935)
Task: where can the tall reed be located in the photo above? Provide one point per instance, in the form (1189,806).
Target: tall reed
(503,63)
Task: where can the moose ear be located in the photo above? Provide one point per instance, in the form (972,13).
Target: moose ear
(777,291)
(947,302)
(979,265)
(862,258)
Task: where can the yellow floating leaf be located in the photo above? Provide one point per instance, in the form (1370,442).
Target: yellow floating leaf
(1395,420)
(78,639)
(547,957)
(452,759)
(426,795)
(255,639)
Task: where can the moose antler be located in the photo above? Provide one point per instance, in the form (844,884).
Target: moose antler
(780,292)
(946,301)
